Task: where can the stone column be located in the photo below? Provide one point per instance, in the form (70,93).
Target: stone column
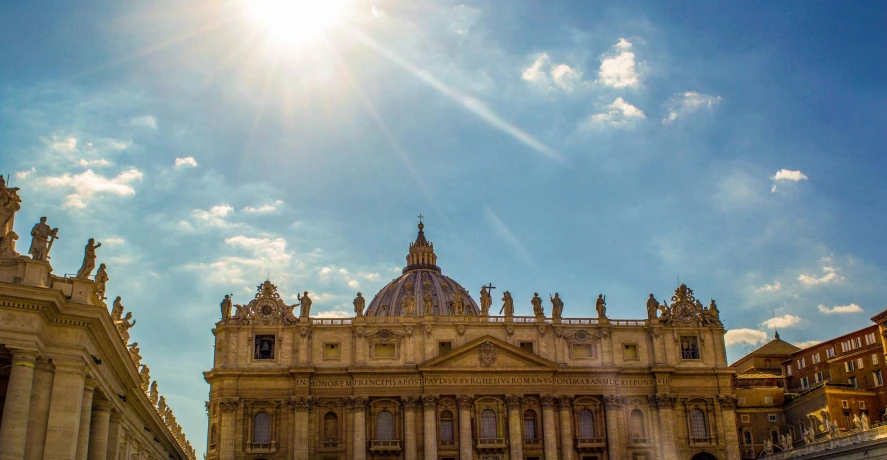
(466,449)
(98,430)
(349,427)
(731,436)
(64,411)
(566,412)
(615,439)
(300,405)
(41,395)
(113,435)
(359,406)
(515,440)
(225,446)
(14,427)
(85,419)
(549,435)
(409,427)
(429,403)
(665,402)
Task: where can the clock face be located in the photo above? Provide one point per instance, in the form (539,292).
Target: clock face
(265,310)
(685,312)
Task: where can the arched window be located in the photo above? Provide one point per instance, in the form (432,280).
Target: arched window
(586,424)
(636,426)
(488,424)
(697,424)
(384,426)
(446,428)
(530,434)
(330,427)
(262,428)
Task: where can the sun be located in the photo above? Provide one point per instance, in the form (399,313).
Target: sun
(289,22)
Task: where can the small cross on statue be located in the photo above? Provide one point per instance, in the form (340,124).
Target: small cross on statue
(490,288)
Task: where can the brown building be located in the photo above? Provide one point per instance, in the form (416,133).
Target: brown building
(426,372)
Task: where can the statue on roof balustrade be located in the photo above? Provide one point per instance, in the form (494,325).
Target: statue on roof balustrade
(601,306)
(42,237)
(10,203)
(557,306)
(7,245)
(226,306)
(101,281)
(359,304)
(652,307)
(88,259)
(305,303)
(536,302)
(507,304)
(486,300)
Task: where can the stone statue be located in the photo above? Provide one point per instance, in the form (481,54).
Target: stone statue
(458,303)
(145,374)
(768,446)
(42,237)
(557,306)
(601,306)
(10,203)
(305,302)
(289,316)
(242,313)
(226,306)
(152,394)
(857,423)
(359,304)
(409,304)
(805,435)
(865,421)
(7,245)
(117,310)
(427,303)
(789,442)
(88,259)
(161,405)
(536,302)
(486,300)
(833,428)
(652,306)
(101,280)
(134,353)
(507,305)
(124,325)
(713,310)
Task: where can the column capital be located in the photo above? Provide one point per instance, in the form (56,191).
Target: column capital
(429,401)
(663,401)
(613,402)
(565,401)
(358,404)
(513,401)
(547,401)
(301,403)
(727,401)
(465,401)
(102,405)
(229,405)
(26,357)
(410,402)
(89,385)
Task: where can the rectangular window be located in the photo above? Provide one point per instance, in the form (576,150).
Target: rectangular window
(527,347)
(818,377)
(741,400)
(814,358)
(384,350)
(630,351)
(859,363)
(744,418)
(870,338)
(582,350)
(852,381)
(788,370)
(771,417)
(878,378)
(875,359)
(444,348)
(862,405)
(331,351)
(746,437)
(845,404)
(690,347)
(857,343)
(845,346)
(848,366)
(768,400)
(264,347)
(805,383)
(830,352)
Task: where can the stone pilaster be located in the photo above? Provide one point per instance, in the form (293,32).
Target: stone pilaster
(515,438)
(466,450)
(17,406)
(225,446)
(85,420)
(98,430)
(731,436)
(665,404)
(64,411)
(359,407)
(409,427)
(41,394)
(566,412)
(300,406)
(429,404)
(615,439)
(549,435)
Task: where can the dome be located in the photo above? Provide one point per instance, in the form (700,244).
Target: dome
(421,284)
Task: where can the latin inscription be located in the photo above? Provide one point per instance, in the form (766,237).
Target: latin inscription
(415,381)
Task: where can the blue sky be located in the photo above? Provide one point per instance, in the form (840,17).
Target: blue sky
(579,147)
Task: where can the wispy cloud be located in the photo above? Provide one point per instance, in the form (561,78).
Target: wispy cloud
(215,216)
(86,185)
(747,336)
(807,343)
(619,113)
(186,162)
(535,72)
(786,175)
(64,145)
(782,321)
(769,287)
(561,76)
(263,209)
(682,104)
(840,309)
(502,228)
(619,70)
(831,276)
(145,121)
(99,162)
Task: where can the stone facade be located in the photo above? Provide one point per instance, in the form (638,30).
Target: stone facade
(396,383)
(69,386)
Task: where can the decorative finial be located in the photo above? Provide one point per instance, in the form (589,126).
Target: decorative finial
(421,225)
(776,335)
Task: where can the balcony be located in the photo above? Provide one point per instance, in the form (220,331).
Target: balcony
(637,441)
(706,441)
(590,444)
(261,447)
(532,441)
(330,446)
(385,446)
(447,442)
(491,444)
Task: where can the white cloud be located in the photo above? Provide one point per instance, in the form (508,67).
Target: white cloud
(352,283)
(683,104)
(769,287)
(145,121)
(831,276)
(187,161)
(619,71)
(535,72)
(747,336)
(787,175)
(99,162)
(87,184)
(66,145)
(370,276)
(215,216)
(112,241)
(333,314)
(618,113)
(807,343)
(264,255)
(25,174)
(840,309)
(377,13)
(265,208)
(782,321)
(566,77)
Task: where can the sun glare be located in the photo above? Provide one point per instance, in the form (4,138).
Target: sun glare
(288,22)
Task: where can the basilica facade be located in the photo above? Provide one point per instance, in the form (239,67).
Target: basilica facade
(426,372)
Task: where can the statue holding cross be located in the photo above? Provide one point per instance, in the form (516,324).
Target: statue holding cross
(486,300)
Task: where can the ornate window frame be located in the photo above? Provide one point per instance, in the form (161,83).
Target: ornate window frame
(498,407)
(584,337)
(321,410)
(278,346)
(630,406)
(448,404)
(385,336)
(393,407)
(250,410)
(708,412)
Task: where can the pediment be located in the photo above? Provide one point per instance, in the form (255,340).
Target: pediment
(487,353)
